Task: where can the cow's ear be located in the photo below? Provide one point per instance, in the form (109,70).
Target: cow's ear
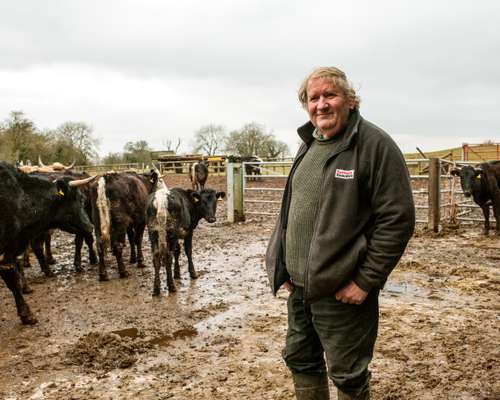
(455,172)
(220,195)
(62,188)
(195,197)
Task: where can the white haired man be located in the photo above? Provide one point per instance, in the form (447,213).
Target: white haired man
(346,217)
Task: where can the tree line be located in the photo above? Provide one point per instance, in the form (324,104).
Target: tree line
(22,140)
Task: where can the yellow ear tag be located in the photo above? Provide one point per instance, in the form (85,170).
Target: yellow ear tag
(196,200)
(60,193)
(478,177)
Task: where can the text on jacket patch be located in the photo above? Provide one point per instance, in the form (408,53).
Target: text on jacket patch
(344,173)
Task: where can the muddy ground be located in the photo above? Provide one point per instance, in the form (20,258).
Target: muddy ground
(220,336)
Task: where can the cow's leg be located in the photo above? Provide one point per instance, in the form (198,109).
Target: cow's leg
(177,253)
(496,210)
(153,239)
(118,246)
(24,282)
(139,234)
(26,257)
(48,249)
(167,259)
(11,278)
(486,213)
(37,245)
(103,274)
(188,249)
(131,242)
(89,241)
(77,260)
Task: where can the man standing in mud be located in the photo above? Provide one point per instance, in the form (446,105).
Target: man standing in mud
(346,217)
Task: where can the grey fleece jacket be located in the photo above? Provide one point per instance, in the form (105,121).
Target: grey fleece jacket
(365,217)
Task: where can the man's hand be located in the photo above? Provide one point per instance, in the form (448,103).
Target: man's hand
(351,294)
(288,286)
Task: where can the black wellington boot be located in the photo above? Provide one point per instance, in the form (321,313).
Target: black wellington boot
(311,387)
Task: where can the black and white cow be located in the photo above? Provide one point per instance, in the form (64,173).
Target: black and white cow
(483,184)
(198,175)
(164,212)
(31,206)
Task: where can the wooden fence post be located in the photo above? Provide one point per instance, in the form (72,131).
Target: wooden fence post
(434,215)
(234,174)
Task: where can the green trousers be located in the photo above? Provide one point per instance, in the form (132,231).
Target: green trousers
(344,334)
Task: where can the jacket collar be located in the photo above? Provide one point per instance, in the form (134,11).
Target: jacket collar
(306,131)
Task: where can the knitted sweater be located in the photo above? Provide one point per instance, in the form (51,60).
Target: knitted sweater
(306,186)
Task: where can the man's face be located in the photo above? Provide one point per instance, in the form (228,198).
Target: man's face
(327,106)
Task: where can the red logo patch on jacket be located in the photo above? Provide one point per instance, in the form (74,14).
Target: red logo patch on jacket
(344,173)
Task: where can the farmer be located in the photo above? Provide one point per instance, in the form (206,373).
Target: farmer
(346,217)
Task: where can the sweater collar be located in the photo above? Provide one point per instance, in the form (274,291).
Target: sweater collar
(306,131)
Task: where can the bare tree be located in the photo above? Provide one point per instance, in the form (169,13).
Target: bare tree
(169,145)
(210,139)
(253,140)
(76,141)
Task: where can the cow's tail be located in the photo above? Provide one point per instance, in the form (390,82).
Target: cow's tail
(162,216)
(103,207)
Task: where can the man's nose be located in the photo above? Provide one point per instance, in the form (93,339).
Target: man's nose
(322,103)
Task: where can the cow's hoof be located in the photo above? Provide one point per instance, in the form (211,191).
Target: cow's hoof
(194,275)
(141,265)
(49,273)
(27,266)
(103,277)
(156,291)
(177,276)
(93,261)
(28,319)
(172,289)
(132,260)
(51,261)
(78,269)
(27,289)
(124,274)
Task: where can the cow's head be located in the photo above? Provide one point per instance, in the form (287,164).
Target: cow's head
(206,203)
(469,176)
(69,212)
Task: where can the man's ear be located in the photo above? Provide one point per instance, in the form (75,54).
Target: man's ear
(195,197)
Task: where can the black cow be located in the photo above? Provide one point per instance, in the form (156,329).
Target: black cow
(252,170)
(31,206)
(483,185)
(199,205)
(37,244)
(118,210)
(198,175)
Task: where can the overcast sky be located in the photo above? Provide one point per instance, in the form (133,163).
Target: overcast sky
(428,72)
